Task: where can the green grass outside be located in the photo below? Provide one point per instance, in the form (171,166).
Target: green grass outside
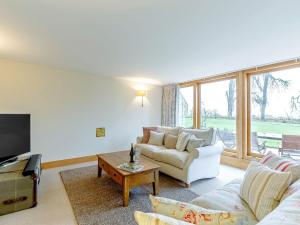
(257,125)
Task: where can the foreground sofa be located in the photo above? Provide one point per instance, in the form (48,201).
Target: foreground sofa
(203,162)
(228,199)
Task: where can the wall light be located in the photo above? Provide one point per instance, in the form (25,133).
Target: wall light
(141,93)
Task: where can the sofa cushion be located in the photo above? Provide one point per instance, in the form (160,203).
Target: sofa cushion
(170,141)
(173,157)
(146,133)
(227,199)
(193,214)
(208,135)
(282,164)
(169,130)
(194,143)
(291,189)
(262,188)
(156,219)
(287,213)
(182,141)
(156,138)
(149,150)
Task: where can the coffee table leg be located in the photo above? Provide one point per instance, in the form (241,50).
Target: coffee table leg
(99,171)
(125,192)
(155,184)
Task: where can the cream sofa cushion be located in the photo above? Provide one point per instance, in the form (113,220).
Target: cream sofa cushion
(169,130)
(162,154)
(156,138)
(208,135)
(173,157)
(227,198)
(149,150)
(182,141)
(170,141)
(262,188)
(194,143)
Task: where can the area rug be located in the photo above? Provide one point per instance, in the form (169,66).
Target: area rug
(99,200)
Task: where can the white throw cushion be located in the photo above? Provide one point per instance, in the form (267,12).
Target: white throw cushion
(194,143)
(262,188)
(182,141)
(208,135)
(156,138)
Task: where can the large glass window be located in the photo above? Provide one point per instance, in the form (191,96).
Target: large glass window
(275,112)
(218,110)
(185,113)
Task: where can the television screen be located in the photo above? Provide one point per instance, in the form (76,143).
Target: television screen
(14,135)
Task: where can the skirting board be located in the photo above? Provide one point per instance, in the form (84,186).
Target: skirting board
(65,162)
(234,162)
(226,160)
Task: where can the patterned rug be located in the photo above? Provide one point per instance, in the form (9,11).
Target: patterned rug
(99,200)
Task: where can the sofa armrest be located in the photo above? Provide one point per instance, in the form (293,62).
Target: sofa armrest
(215,149)
(139,140)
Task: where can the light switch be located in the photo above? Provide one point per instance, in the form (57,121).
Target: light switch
(100,132)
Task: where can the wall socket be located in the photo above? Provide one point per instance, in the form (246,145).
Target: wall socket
(100,132)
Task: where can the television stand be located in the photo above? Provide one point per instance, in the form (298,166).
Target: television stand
(19,184)
(9,162)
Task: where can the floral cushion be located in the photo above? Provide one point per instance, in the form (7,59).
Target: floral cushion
(193,214)
(156,219)
(227,199)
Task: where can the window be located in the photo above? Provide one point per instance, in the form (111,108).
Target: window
(218,110)
(275,112)
(185,113)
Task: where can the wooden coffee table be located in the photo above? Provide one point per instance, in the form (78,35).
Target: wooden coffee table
(109,162)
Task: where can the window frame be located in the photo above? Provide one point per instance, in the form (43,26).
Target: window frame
(249,74)
(242,155)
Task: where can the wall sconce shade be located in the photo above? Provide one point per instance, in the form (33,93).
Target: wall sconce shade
(141,93)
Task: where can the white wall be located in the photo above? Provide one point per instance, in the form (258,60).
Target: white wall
(66,107)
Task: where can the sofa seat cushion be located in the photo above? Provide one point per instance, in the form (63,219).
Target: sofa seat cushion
(162,154)
(149,150)
(287,213)
(173,157)
(227,199)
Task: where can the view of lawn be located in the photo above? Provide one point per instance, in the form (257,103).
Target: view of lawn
(259,126)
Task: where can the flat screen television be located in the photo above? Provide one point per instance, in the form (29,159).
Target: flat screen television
(14,135)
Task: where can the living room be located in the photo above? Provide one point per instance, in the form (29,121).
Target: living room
(149,112)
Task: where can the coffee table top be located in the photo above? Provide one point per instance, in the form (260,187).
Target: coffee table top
(114,159)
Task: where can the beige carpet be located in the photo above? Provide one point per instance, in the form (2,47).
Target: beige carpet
(99,200)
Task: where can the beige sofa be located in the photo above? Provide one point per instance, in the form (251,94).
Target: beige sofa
(203,162)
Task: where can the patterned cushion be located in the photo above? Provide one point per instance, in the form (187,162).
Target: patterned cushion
(156,219)
(182,141)
(276,162)
(227,199)
(193,214)
(262,188)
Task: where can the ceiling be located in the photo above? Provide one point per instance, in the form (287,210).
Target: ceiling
(162,40)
